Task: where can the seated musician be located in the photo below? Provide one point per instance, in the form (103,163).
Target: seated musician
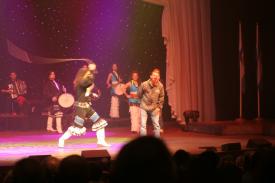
(51,90)
(16,90)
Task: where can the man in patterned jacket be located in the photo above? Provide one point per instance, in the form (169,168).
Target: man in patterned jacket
(151,93)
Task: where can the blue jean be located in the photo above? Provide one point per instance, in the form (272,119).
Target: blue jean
(155,120)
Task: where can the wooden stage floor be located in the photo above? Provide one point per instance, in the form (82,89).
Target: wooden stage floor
(15,145)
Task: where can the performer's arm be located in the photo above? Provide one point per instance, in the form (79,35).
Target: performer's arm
(161,98)
(62,87)
(140,91)
(23,87)
(48,94)
(96,93)
(119,79)
(9,91)
(127,85)
(46,91)
(87,80)
(108,81)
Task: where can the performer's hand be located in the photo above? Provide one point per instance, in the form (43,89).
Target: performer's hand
(95,95)
(64,89)
(109,85)
(7,91)
(133,95)
(156,111)
(54,99)
(92,67)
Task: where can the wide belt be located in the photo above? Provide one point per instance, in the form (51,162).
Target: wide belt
(82,104)
(134,104)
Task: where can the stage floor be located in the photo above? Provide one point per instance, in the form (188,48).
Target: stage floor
(19,144)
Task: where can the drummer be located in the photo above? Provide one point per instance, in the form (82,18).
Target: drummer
(51,90)
(134,101)
(113,80)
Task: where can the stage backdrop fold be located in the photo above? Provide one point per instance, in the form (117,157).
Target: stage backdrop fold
(186,29)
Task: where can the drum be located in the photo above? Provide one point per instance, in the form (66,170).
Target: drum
(21,100)
(66,100)
(119,89)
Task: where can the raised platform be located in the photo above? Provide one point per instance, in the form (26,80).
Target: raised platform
(10,122)
(19,144)
(247,127)
(19,122)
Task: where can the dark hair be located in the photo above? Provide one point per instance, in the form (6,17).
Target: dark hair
(50,72)
(28,170)
(135,72)
(79,75)
(156,70)
(146,155)
(73,168)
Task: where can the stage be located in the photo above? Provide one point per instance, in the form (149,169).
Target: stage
(19,144)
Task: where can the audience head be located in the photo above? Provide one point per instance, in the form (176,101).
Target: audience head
(13,76)
(145,159)
(73,169)
(28,170)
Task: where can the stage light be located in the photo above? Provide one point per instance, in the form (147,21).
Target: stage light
(191,116)
(231,147)
(99,157)
(258,143)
